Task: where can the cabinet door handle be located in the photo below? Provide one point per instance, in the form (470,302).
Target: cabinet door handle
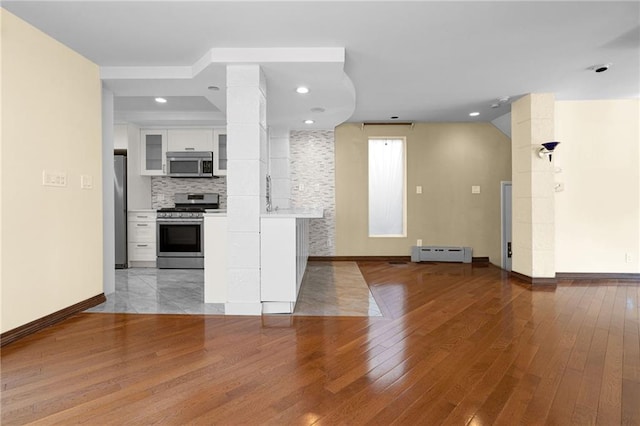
(189,149)
(142,224)
(142,217)
(142,245)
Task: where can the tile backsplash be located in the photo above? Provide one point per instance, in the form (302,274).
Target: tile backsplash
(313,184)
(163,188)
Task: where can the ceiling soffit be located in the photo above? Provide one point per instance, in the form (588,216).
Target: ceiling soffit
(331,99)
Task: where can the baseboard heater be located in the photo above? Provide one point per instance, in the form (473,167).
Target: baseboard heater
(441,254)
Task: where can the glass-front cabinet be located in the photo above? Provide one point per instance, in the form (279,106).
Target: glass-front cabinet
(153,150)
(220,152)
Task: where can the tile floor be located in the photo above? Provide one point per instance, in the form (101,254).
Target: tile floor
(335,289)
(328,289)
(159,291)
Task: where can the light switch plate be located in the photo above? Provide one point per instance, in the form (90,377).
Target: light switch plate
(475,189)
(86,182)
(419,189)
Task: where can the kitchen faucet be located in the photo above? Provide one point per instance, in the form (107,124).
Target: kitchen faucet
(269,206)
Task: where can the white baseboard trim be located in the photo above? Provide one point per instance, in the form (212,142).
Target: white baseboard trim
(277,307)
(236,308)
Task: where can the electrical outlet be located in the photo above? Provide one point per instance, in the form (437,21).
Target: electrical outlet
(54,178)
(627,257)
(419,242)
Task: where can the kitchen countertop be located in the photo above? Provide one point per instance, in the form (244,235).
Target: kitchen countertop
(302,213)
(215,212)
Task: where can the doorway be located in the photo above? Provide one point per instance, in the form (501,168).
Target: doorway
(505,202)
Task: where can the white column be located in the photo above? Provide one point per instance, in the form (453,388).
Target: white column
(279,168)
(246,182)
(533,188)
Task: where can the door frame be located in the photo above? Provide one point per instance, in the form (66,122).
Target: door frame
(504,222)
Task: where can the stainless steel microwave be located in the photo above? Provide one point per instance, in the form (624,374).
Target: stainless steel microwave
(190,164)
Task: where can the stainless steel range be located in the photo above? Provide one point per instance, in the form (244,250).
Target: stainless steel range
(180,231)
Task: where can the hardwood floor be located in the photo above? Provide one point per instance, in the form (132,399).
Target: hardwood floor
(457,345)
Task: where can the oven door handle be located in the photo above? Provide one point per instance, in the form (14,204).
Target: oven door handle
(179,221)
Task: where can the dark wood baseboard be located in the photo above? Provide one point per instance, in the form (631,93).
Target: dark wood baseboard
(597,276)
(359,258)
(533,281)
(44,322)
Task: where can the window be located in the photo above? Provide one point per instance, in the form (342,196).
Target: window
(387,181)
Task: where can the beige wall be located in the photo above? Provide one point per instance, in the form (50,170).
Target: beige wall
(51,236)
(598,213)
(446,159)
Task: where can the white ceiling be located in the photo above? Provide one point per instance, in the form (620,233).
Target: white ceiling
(418,60)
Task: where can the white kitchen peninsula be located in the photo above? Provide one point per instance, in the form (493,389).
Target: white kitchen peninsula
(284,249)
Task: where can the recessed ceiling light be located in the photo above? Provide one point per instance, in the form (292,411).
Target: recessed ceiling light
(214,88)
(309,121)
(161,100)
(600,67)
(302,90)
(495,105)
(474,114)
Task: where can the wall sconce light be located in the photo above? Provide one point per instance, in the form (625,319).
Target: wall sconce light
(547,149)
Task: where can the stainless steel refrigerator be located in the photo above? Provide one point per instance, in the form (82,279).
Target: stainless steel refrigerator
(120,203)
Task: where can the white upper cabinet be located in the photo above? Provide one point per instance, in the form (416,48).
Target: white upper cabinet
(153,152)
(220,152)
(190,140)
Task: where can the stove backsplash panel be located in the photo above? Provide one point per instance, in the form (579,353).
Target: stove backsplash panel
(163,188)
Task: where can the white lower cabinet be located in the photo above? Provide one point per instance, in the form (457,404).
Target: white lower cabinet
(284,248)
(141,237)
